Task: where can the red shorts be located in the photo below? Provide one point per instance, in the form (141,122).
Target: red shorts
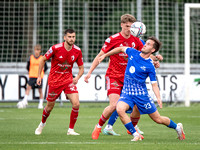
(54,92)
(114,85)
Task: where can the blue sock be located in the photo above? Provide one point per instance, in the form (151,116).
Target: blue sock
(172,124)
(113,118)
(129,126)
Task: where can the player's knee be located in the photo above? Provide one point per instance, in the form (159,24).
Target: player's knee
(112,107)
(49,106)
(120,111)
(76,105)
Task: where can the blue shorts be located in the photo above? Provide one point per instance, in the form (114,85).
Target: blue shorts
(145,103)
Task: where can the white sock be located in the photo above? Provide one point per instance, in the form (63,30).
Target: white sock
(70,129)
(108,127)
(25,98)
(41,101)
(135,134)
(98,126)
(42,124)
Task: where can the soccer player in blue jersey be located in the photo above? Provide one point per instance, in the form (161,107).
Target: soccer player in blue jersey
(108,130)
(134,92)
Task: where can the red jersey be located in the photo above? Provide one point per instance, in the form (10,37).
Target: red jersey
(118,62)
(62,63)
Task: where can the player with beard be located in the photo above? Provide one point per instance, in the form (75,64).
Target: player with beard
(63,56)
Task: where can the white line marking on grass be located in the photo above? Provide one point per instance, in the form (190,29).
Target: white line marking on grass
(90,143)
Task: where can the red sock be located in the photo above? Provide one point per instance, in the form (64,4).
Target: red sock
(45,115)
(73,117)
(135,121)
(102,120)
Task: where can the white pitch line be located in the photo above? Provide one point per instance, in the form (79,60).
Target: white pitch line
(90,143)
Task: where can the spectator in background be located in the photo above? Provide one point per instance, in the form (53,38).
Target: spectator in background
(32,67)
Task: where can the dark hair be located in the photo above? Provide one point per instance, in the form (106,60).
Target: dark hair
(69,31)
(157,44)
(127,18)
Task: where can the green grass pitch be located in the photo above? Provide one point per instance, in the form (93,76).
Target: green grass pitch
(17,128)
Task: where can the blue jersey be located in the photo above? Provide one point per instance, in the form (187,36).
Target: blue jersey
(134,91)
(137,70)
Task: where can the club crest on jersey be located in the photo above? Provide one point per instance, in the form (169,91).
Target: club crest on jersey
(72,57)
(132,69)
(133,44)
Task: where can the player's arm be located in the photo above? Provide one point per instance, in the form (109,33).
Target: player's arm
(112,52)
(157,93)
(93,66)
(80,73)
(41,66)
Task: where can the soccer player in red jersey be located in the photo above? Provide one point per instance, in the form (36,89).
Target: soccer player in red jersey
(63,56)
(116,69)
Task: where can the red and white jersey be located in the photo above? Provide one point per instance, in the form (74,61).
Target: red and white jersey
(62,63)
(118,62)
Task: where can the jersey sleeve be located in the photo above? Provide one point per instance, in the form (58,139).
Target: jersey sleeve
(80,59)
(152,74)
(50,52)
(108,45)
(130,51)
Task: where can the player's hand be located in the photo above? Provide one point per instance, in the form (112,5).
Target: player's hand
(101,58)
(159,57)
(75,80)
(159,103)
(87,77)
(39,81)
(156,64)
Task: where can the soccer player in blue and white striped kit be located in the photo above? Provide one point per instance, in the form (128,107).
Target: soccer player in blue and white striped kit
(134,92)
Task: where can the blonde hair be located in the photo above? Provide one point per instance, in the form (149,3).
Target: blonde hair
(127,18)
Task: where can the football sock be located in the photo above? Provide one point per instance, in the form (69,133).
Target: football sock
(172,124)
(113,118)
(102,120)
(134,121)
(129,126)
(25,98)
(45,115)
(73,117)
(41,101)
